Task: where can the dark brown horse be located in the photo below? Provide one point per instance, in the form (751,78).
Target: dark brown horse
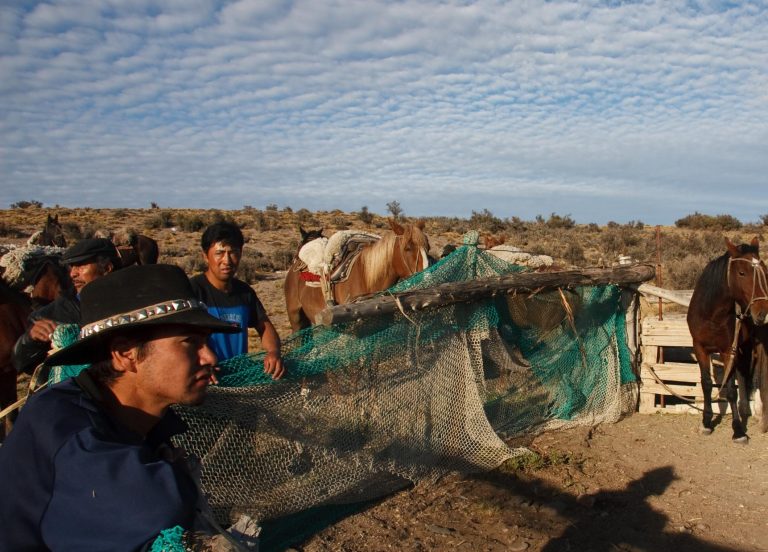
(729,300)
(397,255)
(52,234)
(309,235)
(14,309)
(48,278)
(140,250)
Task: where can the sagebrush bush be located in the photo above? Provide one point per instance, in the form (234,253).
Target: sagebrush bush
(162,219)
(700,221)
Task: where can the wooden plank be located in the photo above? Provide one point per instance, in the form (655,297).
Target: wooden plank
(667,340)
(675,371)
(681,297)
(683,390)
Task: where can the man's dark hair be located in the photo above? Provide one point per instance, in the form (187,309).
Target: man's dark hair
(225,232)
(102,370)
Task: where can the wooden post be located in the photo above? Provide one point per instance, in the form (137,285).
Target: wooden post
(462,292)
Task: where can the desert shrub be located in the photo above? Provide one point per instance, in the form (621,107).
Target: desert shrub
(678,246)
(699,221)
(282,257)
(441,225)
(573,254)
(516,223)
(365,216)
(271,207)
(621,240)
(485,220)
(340,223)
(250,266)
(682,273)
(190,222)
(262,263)
(191,263)
(304,217)
(394,209)
(593,227)
(162,219)
(558,221)
(259,221)
(26,204)
(217,216)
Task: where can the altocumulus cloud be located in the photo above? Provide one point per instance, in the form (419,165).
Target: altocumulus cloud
(602,110)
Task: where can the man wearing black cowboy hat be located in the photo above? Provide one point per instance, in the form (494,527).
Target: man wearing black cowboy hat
(87,260)
(89,464)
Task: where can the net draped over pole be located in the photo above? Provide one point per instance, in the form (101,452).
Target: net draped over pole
(410,395)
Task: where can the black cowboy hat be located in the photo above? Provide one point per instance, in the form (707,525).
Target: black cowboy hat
(134,297)
(85,250)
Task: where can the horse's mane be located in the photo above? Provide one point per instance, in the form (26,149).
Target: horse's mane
(712,283)
(378,260)
(9,295)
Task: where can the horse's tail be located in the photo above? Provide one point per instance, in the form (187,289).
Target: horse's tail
(761,388)
(760,373)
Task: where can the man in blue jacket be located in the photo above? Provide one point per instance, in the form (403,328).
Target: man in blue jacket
(89,464)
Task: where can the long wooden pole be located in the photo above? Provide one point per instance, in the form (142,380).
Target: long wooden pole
(458,292)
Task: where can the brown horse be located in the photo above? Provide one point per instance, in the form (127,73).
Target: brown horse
(52,234)
(140,250)
(397,255)
(730,295)
(14,309)
(48,279)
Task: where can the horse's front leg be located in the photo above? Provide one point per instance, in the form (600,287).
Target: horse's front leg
(731,393)
(702,357)
(740,411)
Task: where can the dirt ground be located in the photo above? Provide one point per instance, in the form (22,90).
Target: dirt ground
(649,482)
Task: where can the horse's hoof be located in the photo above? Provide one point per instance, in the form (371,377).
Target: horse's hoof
(705,430)
(743,440)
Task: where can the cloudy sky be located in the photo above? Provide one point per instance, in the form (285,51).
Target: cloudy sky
(603,110)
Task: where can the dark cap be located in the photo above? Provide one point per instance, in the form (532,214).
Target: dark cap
(135,297)
(85,250)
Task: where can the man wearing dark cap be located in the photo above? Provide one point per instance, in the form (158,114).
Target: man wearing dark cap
(90,464)
(87,260)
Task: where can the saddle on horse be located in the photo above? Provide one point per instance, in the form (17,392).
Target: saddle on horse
(328,261)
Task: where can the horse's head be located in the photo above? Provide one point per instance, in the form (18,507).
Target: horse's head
(309,235)
(411,248)
(747,279)
(493,240)
(53,234)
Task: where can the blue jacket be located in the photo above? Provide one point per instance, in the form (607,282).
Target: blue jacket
(74,479)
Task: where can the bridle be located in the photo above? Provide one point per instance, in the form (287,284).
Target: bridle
(759,275)
(422,253)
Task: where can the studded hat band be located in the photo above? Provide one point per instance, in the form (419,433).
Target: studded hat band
(154,311)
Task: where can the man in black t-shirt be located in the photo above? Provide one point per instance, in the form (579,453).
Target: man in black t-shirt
(232,300)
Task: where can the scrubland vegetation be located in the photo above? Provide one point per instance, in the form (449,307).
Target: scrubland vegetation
(273,235)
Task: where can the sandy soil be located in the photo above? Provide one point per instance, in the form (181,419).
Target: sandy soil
(649,482)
